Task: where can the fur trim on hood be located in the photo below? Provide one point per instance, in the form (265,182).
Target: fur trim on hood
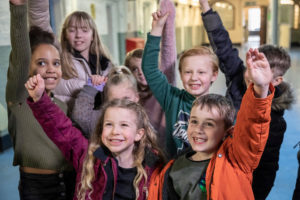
(284,97)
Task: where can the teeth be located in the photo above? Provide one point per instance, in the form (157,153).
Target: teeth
(50,79)
(198,140)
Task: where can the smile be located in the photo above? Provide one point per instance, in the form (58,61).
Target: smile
(194,86)
(198,140)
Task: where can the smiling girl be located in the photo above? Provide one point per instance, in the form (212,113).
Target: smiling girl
(122,153)
(44,172)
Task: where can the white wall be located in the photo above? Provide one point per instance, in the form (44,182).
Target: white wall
(4,23)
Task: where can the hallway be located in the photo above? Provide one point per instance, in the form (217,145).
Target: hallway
(286,176)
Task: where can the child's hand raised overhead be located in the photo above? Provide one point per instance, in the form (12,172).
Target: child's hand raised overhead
(158,23)
(35,87)
(259,72)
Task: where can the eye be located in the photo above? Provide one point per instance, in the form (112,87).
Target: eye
(71,30)
(134,69)
(201,72)
(188,72)
(85,29)
(41,63)
(107,124)
(124,125)
(208,124)
(194,122)
(56,63)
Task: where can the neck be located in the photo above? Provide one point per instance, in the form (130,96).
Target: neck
(85,54)
(48,92)
(125,161)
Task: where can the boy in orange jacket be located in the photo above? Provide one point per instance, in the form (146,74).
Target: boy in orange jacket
(222,159)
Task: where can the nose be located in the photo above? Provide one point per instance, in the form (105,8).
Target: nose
(50,68)
(194,76)
(115,130)
(140,71)
(77,33)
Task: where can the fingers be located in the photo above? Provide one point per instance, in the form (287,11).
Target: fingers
(31,83)
(97,79)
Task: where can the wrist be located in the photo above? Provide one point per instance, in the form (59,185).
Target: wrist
(156,31)
(261,91)
(204,7)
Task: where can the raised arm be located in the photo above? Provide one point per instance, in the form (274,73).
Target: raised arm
(39,14)
(156,80)
(230,63)
(168,42)
(19,60)
(55,123)
(253,120)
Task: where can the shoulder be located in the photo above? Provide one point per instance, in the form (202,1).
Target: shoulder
(62,105)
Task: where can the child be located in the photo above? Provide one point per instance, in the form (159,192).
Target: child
(237,81)
(223,158)
(133,61)
(118,161)
(83,54)
(44,172)
(87,109)
(198,70)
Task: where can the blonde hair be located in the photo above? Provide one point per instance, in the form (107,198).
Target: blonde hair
(81,19)
(120,75)
(148,141)
(200,51)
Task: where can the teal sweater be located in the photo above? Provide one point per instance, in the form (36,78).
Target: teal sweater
(175,102)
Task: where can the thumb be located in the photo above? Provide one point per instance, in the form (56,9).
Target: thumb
(40,81)
(165,17)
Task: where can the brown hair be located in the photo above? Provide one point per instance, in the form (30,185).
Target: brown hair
(200,51)
(279,59)
(136,53)
(148,141)
(37,37)
(81,19)
(224,107)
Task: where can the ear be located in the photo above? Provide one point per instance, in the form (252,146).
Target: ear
(228,132)
(136,98)
(276,81)
(214,77)
(139,134)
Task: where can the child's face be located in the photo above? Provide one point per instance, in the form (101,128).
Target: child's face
(197,75)
(206,130)
(80,38)
(122,91)
(136,69)
(120,131)
(45,60)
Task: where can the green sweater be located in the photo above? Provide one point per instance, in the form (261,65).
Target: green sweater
(32,147)
(175,102)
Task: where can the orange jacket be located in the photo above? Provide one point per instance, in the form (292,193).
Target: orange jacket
(229,173)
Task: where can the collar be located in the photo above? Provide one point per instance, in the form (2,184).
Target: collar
(102,153)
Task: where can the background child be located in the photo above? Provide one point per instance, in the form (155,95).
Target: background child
(83,54)
(133,61)
(237,80)
(223,159)
(119,160)
(44,172)
(198,70)
(121,84)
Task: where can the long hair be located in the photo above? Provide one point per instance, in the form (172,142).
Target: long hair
(80,19)
(148,141)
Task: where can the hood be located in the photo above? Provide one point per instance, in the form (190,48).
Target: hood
(284,97)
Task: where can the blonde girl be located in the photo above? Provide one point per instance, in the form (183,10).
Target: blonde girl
(83,54)
(122,153)
(121,84)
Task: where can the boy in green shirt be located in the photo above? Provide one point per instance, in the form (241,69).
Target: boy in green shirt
(198,69)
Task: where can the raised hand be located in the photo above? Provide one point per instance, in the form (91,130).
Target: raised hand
(35,87)
(18,2)
(259,72)
(98,80)
(158,23)
(204,5)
